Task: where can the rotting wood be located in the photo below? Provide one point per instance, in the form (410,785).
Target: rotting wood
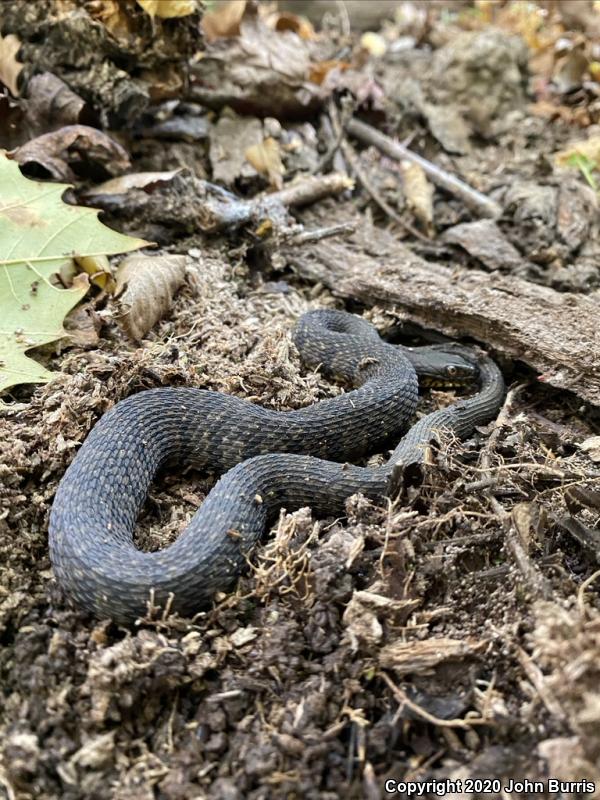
(554,333)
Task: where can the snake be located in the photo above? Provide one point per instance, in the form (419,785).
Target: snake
(267,460)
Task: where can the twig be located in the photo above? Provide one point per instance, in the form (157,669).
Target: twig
(403,699)
(581,592)
(513,540)
(308,190)
(332,149)
(354,161)
(472,198)
(218,213)
(317,234)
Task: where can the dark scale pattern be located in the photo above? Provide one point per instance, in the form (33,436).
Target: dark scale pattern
(274,459)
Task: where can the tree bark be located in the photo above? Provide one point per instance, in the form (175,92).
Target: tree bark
(555,333)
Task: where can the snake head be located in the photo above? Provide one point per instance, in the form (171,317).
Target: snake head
(447,369)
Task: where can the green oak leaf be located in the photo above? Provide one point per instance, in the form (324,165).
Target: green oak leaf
(39,235)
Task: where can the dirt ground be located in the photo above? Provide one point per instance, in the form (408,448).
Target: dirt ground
(451,633)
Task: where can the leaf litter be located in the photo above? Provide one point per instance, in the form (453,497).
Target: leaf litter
(39,235)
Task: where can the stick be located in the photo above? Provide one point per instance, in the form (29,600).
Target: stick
(474,200)
(316,234)
(233,213)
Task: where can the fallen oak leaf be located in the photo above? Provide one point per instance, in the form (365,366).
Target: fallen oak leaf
(39,235)
(146,286)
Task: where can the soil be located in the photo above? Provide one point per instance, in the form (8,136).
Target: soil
(448,634)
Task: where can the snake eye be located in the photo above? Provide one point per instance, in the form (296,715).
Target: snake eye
(452,371)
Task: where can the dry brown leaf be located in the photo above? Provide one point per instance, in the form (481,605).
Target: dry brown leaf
(51,104)
(113,16)
(224,21)
(145,288)
(261,72)
(133,180)
(167,9)
(591,446)
(419,193)
(230,139)
(266,160)
(164,83)
(83,326)
(10,68)
(286,21)
(419,657)
(320,70)
(56,149)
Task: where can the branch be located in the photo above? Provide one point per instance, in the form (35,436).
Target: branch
(474,200)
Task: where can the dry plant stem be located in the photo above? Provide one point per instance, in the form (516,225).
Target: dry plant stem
(354,161)
(534,674)
(529,571)
(333,148)
(309,190)
(525,321)
(226,212)
(403,699)
(317,234)
(473,199)
(581,592)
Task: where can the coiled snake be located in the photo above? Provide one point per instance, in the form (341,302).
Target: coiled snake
(273,459)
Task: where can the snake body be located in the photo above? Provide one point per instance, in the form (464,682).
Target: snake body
(270,459)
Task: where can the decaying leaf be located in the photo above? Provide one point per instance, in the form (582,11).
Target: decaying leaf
(50,103)
(98,270)
(224,20)
(286,21)
(483,239)
(168,9)
(56,149)
(591,446)
(83,325)
(319,71)
(422,656)
(134,180)
(39,234)
(419,193)
(261,71)
(145,287)
(362,614)
(10,68)
(266,160)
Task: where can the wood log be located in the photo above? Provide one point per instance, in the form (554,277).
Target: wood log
(555,333)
